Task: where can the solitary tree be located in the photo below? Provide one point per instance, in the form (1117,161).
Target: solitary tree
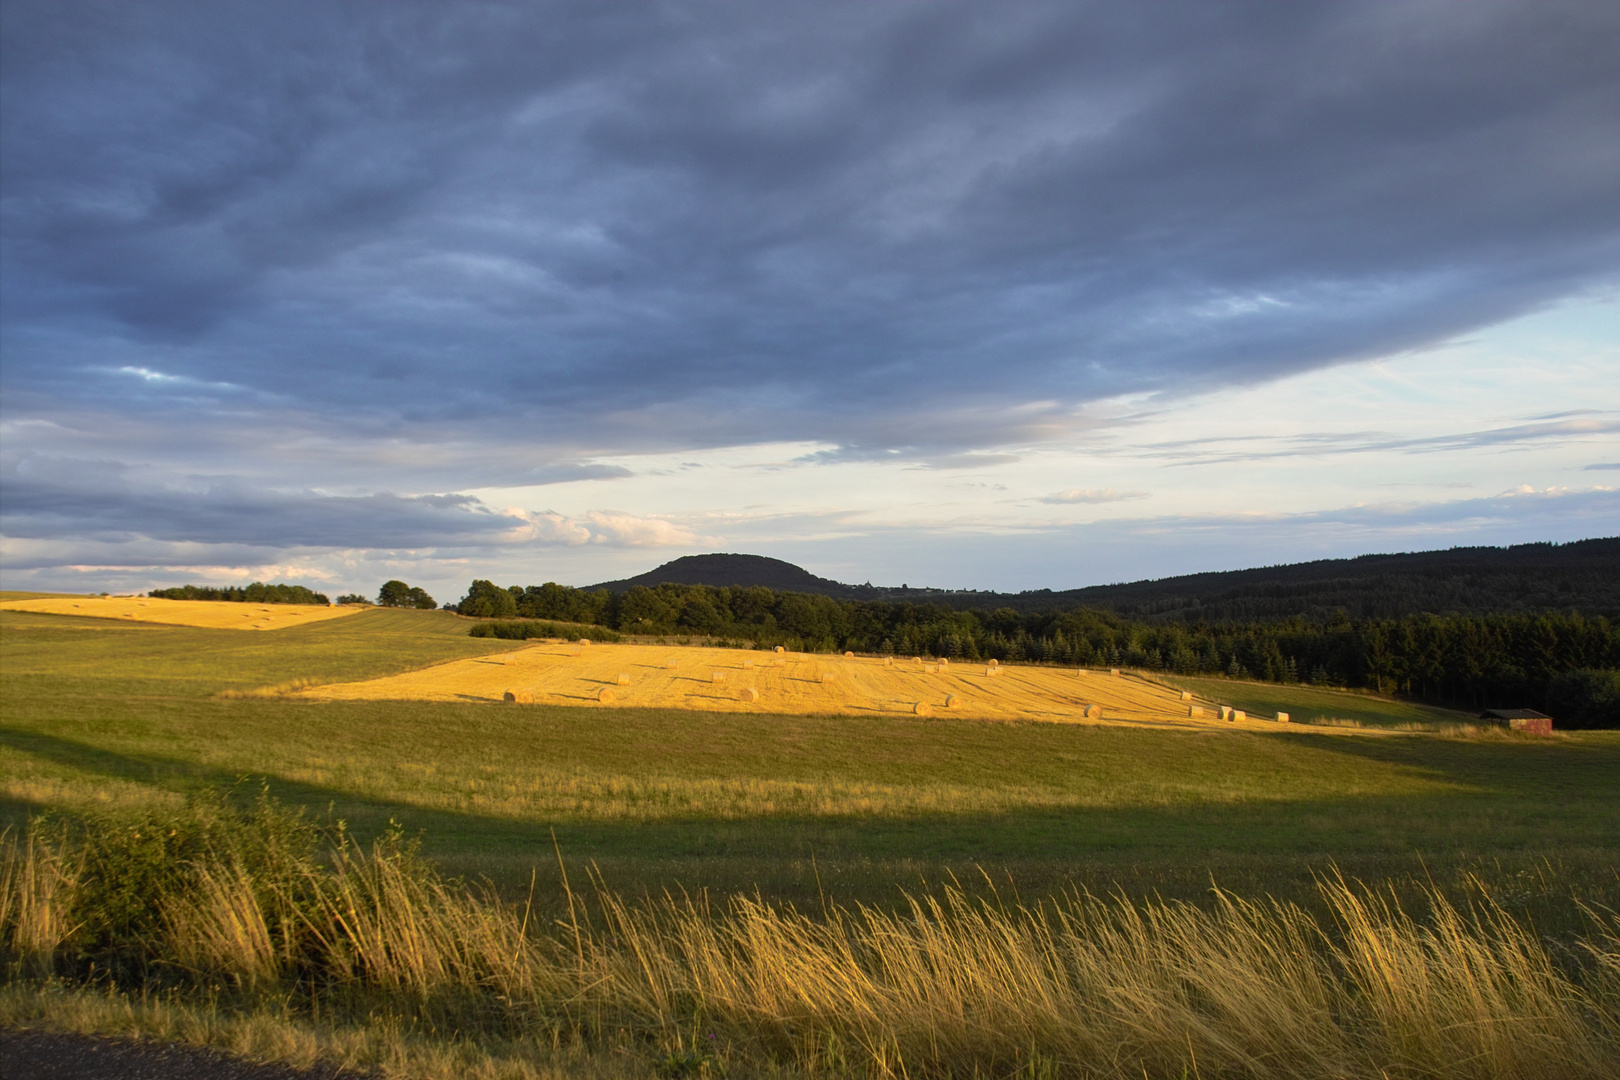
(398,594)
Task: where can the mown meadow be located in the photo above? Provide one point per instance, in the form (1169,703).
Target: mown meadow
(1023,872)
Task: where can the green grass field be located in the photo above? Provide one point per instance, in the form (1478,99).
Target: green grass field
(1036,820)
(100,713)
(1306,704)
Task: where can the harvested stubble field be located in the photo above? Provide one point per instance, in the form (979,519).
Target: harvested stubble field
(773,807)
(1315,705)
(718,680)
(212,614)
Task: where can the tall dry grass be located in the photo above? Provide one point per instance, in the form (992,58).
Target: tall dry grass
(36,886)
(948,985)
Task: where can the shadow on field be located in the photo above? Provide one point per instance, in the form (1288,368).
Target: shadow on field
(1510,765)
(170,774)
(1501,813)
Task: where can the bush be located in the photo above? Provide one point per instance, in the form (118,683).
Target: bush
(1589,698)
(134,875)
(256,593)
(523,629)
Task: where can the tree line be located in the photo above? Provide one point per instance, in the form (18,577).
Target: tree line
(1525,579)
(1470,661)
(393,593)
(256,593)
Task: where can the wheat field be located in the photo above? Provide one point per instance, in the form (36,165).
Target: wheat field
(805,684)
(205,614)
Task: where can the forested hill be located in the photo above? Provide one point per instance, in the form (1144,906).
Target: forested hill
(1583,576)
(733,571)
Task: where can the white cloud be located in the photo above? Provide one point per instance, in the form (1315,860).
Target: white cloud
(1093,495)
(611,527)
(630,530)
(546,527)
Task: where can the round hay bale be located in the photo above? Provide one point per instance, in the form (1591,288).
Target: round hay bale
(944,662)
(605,694)
(1239,714)
(780,649)
(1226,712)
(584,641)
(1194,710)
(888,661)
(1186,695)
(849,656)
(518,697)
(1094,712)
(719,677)
(952,701)
(916,659)
(1282,718)
(624,679)
(1113,671)
(922,708)
(995,663)
(750,694)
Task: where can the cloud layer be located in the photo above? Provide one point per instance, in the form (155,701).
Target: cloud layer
(708,222)
(316,265)
(115,505)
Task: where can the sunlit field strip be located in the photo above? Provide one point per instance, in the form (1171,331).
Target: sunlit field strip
(208,614)
(719,680)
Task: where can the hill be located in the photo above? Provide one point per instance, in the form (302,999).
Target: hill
(1582,576)
(737,571)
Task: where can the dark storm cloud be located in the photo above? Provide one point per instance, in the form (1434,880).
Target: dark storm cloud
(625,226)
(111,502)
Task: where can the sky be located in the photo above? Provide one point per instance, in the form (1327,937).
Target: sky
(960,295)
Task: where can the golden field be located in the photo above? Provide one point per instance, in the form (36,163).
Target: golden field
(729,680)
(207,614)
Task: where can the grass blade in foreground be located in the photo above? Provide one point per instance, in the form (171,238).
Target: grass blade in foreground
(950,986)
